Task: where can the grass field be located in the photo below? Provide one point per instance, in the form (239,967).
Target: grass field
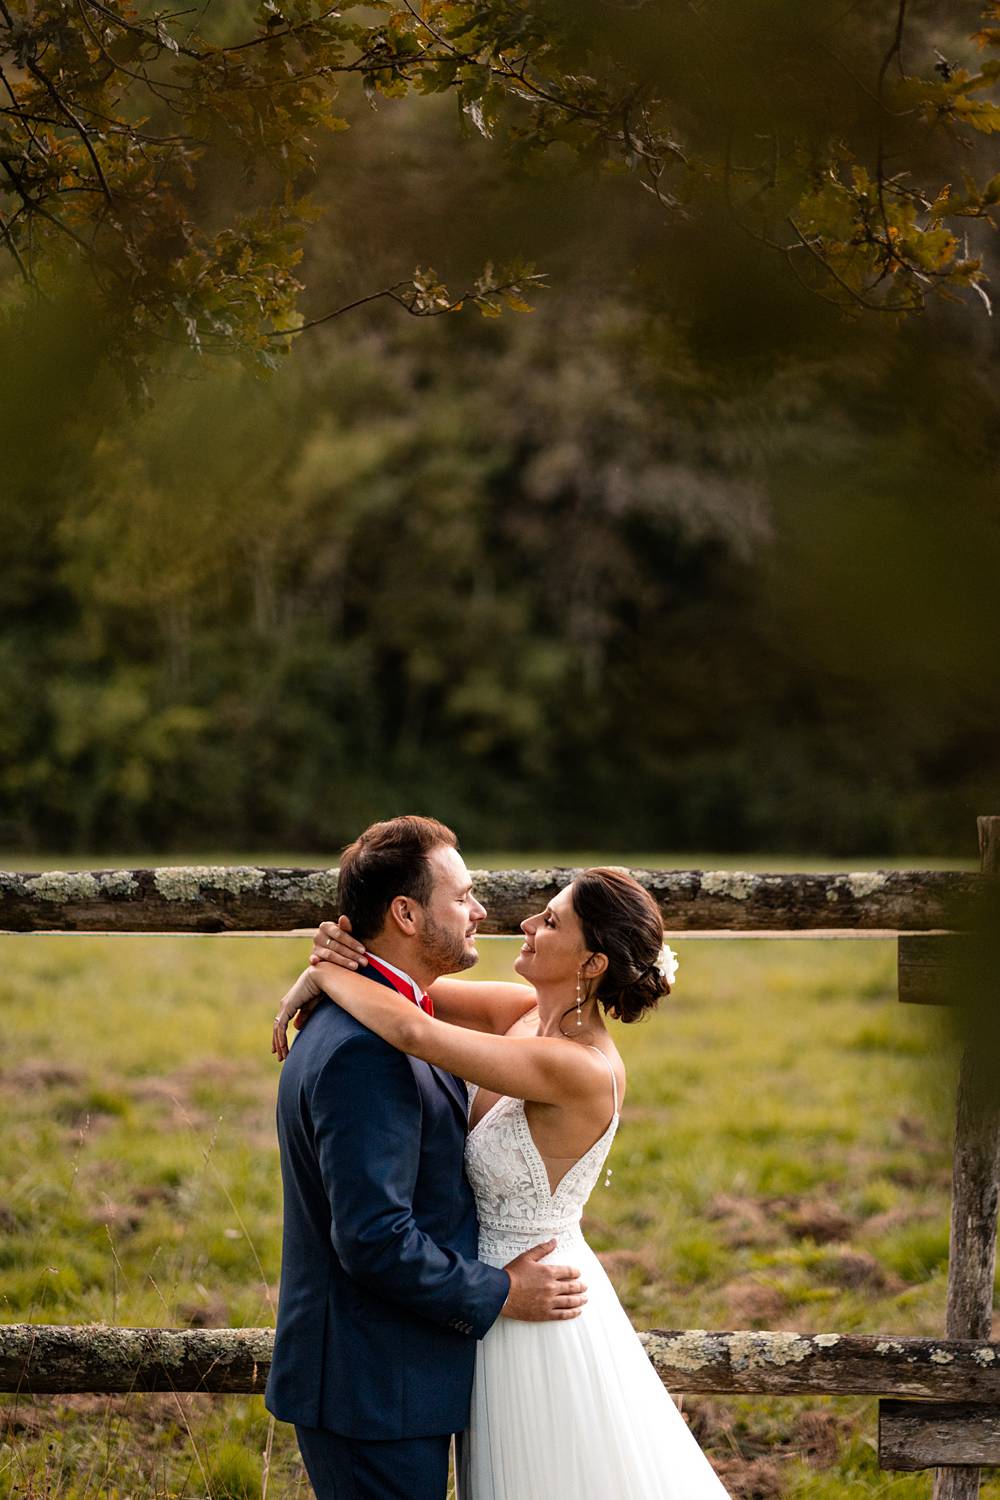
(783,1162)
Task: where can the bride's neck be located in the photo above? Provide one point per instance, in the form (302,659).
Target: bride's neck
(556,1008)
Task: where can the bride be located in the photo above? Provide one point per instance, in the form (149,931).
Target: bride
(566,1410)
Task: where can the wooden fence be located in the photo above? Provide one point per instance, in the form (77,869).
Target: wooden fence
(940,1405)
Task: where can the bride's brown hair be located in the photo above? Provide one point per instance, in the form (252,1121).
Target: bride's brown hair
(621,920)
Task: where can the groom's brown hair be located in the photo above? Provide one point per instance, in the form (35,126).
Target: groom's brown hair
(388,860)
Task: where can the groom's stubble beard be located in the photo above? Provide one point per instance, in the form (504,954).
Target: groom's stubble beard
(442,951)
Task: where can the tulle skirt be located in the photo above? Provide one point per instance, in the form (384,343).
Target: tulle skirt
(574,1410)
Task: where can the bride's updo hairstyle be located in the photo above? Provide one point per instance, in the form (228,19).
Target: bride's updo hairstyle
(621,920)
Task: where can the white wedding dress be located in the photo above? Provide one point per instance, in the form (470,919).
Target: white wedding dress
(567,1410)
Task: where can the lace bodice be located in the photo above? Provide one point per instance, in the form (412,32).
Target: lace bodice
(516,1206)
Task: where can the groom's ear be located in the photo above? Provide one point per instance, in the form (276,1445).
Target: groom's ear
(401,914)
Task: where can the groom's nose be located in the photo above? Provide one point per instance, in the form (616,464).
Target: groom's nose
(478,910)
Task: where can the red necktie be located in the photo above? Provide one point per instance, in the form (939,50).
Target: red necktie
(424,1001)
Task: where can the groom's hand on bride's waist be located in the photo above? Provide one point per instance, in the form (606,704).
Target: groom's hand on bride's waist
(542,1293)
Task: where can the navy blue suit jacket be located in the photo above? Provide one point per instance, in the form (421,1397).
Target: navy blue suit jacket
(382,1299)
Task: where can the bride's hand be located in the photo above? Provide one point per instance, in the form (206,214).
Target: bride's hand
(300,1001)
(332,943)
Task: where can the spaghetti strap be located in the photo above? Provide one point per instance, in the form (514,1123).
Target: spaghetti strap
(614,1080)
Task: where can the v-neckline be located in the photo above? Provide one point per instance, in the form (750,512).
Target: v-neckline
(530,1146)
(528,1141)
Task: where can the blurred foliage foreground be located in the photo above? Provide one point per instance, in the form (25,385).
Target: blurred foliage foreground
(845,141)
(770,1173)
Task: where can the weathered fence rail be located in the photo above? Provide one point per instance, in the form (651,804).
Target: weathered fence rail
(253,898)
(37,1359)
(914,1435)
(950,1412)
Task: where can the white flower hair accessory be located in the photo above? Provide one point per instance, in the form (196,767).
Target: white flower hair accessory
(666,964)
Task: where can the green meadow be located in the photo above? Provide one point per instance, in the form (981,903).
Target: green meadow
(783,1162)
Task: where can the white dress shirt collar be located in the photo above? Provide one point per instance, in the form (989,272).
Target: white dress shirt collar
(418,993)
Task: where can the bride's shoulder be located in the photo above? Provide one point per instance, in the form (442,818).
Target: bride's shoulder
(526,1025)
(613,1062)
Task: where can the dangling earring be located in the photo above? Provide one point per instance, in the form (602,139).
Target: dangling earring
(579,998)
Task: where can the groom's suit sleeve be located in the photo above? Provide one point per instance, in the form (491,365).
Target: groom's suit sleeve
(366,1116)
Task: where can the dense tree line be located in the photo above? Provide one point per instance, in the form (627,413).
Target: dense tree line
(562,580)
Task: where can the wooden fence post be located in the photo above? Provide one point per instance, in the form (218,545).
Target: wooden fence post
(976,1170)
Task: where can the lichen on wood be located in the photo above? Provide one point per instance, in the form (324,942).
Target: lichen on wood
(251,898)
(784,1363)
(36,1358)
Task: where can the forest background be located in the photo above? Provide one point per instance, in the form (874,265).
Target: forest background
(693,555)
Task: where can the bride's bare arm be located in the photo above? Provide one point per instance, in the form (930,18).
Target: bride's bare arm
(478,1004)
(482,1004)
(547,1070)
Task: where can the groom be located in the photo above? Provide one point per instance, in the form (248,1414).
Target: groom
(382,1298)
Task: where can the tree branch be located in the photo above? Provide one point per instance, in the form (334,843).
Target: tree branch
(394,294)
(895,50)
(855,296)
(5,231)
(78,125)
